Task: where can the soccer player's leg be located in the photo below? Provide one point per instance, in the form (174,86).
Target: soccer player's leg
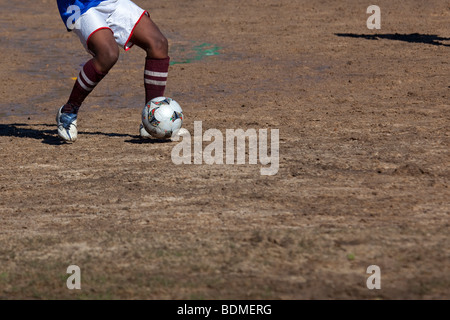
(103,47)
(147,36)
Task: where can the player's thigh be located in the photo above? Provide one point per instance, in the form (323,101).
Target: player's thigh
(148,36)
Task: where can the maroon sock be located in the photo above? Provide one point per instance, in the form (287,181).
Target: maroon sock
(155,77)
(88,78)
(70,108)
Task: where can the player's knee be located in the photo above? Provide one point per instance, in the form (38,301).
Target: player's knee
(111,56)
(158,47)
(107,58)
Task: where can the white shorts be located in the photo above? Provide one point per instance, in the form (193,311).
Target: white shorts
(120,16)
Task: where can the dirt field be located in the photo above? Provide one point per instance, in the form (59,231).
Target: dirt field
(363,117)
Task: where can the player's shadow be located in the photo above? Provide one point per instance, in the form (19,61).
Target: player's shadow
(48,136)
(139,140)
(23,130)
(411,38)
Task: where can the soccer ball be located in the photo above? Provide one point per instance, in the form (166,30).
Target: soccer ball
(162,117)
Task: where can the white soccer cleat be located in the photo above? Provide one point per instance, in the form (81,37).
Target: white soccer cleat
(143,133)
(67,125)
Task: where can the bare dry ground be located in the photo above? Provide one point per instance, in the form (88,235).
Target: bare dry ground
(364,156)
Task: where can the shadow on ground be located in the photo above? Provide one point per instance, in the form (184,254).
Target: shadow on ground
(411,38)
(50,136)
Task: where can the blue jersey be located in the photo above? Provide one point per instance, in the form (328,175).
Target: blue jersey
(73,9)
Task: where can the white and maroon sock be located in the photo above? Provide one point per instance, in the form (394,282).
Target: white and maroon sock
(155,77)
(88,78)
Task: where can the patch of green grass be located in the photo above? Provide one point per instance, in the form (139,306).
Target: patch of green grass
(196,296)
(161,281)
(96,296)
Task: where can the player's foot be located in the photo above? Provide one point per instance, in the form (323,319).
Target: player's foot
(67,125)
(143,133)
